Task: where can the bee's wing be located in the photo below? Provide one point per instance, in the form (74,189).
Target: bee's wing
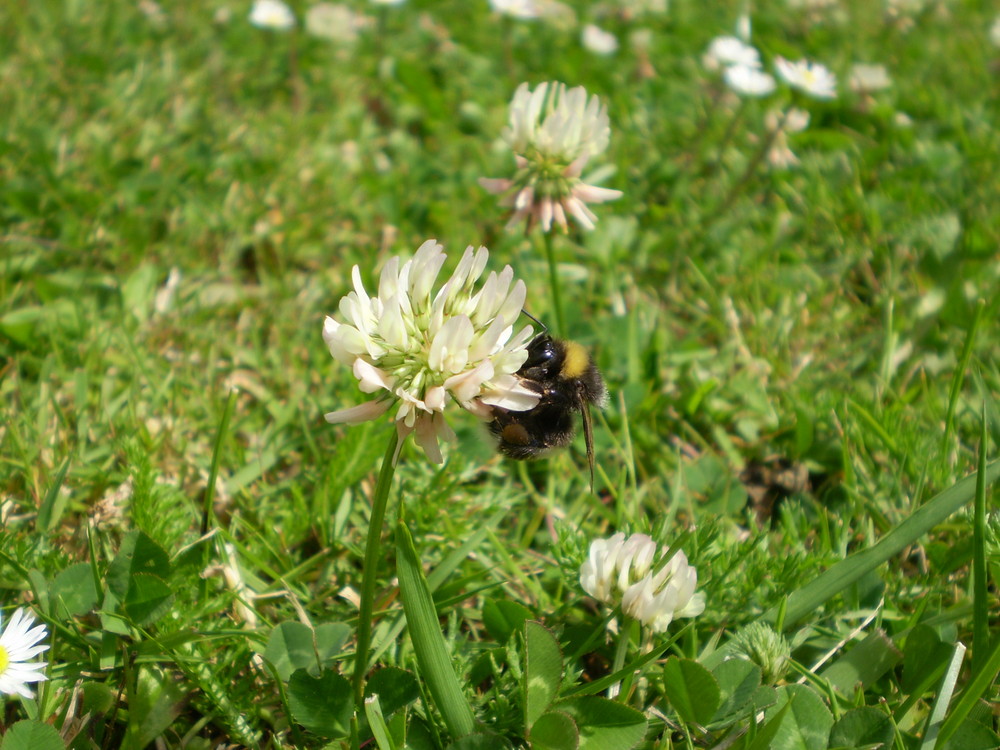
(588,437)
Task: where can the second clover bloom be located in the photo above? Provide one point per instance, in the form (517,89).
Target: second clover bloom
(553,132)
(617,570)
(419,349)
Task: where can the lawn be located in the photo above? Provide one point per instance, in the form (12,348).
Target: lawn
(793,304)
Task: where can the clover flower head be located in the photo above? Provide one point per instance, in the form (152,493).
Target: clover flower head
(620,570)
(661,597)
(724,51)
(554,132)
(760,643)
(747,81)
(19,643)
(415,347)
(811,78)
(271,14)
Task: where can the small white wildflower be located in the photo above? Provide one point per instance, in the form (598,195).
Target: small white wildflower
(522,9)
(743,27)
(18,644)
(811,78)
(335,22)
(748,81)
(553,132)
(729,50)
(865,79)
(416,348)
(388,2)
(995,32)
(272,14)
(598,41)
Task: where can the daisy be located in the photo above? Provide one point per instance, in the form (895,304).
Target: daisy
(598,41)
(418,349)
(811,78)
(748,81)
(271,14)
(729,50)
(18,644)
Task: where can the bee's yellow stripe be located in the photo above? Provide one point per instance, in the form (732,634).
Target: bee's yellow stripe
(576,361)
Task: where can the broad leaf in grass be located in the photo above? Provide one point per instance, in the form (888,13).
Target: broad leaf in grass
(738,679)
(924,653)
(137,554)
(807,724)
(480,741)
(862,727)
(290,647)
(768,730)
(323,704)
(156,704)
(503,618)
(148,598)
(542,671)
(330,640)
(32,735)
(74,591)
(554,731)
(971,735)
(865,663)
(394,687)
(605,724)
(692,690)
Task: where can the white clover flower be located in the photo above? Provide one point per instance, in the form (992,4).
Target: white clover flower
(271,14)
(865,79)
(618,570)
(598,574)
(811,78)
(415,348)
(661,597)
(553,132)
(598,41)
(730,50)
(18,643)
(748,81)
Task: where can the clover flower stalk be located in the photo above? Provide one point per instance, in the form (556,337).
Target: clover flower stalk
(420,349)
(633,574)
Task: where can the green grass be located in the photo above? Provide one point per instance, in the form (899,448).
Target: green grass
(825,315)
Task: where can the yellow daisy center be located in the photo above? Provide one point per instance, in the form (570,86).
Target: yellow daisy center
(4,660)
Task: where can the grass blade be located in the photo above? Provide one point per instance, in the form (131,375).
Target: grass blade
(830,583)
(428,640)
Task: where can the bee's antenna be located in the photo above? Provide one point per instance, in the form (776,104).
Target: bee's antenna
(545,328)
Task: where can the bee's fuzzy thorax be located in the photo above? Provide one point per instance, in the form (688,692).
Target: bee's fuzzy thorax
(576,362)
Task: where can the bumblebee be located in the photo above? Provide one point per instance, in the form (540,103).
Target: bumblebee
(564,375)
